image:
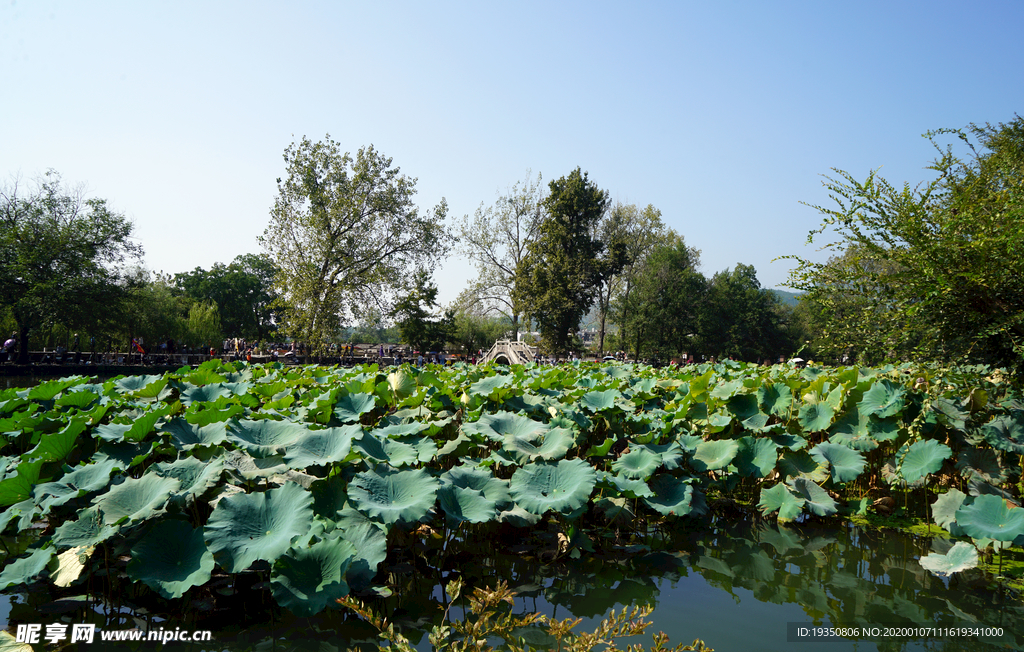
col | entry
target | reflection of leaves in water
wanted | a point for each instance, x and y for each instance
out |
(780, 538)
(754, 564)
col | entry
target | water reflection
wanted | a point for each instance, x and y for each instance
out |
(735, 585)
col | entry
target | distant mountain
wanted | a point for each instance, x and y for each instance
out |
(788, 298)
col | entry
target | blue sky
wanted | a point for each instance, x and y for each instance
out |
(723, 115)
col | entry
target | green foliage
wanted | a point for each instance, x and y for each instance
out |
(930, 272)
(63, 259)
(242, 295)
(344, 235)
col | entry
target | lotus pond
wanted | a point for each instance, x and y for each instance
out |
(269, 492)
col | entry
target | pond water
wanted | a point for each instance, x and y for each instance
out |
(738, 585)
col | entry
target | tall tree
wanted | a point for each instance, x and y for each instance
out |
(939, 265)
(346, 236)
(415, 318)
(496, 240)
(63, 258)
(243, 292)
(740, 319)
(559, 276)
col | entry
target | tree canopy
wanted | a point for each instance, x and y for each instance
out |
(931, 272)
(559, 276)
(63, 258)
(242, 291)
(346, 235)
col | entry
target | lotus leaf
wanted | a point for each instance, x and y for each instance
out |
(58, 446)
(75, 484)
(713, 455)
(205, 393)
(960, 557)
(600, 401)
(135, 499)
(616, 509)
(480, 479)
(87, 530)
(402, 383)
(69, 566)
(743, 406)
(185, 435)
(726, 390)
(624, 486)
(801, 464)
(125, 455)
(131, 384)
(552, 445)
(562, 486)
(1006, 433)
(981, 463)
(780, 499)
(817, 499)
(516, 516)
(249, 468)
(501, 424)
(389, 451)
(393, 495)
(370, 541)
(640, 463)
(815, 417)
(884, 399)
(322, 446)
(775, 399)
(945, 507)
(264, 438)
(205, 376)
(247, 527)
(194, 475)
(307, 580)
(171, 558)
(844, 463)
(922, 458)
(462, 504)
(351, 407)
(990, 517)
(675, 497)
(756, 458)
(25, 569)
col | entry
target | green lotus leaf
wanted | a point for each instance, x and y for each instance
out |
(387, 451)
(714, 455)
(322, 446)
(562, 486)
(113, 432)
(815, 417)
(67, 567)
(246, 527)
(209, 414)
(58, 446)
(626, 487)
(486, 386)
(775, 399)
(884, 399)
(845, 464)
(990, 517)
(981, 463)
(80, 399)
(249, 468)
(600, 401)
(171, 558)
(307, 580)
(743, 406)
(135, 499)
(18, 487)
(25, 569)
(945, 507)
(639, 463)
(370, 541)
(960, 557)
(799, 464)
(462, 504)
(185, 435)
(816, 499)
(204, 376)
(501, 424)
(550, 444)
(75, 484)
(480, 479)
(264, 438)
(125, 455)
(780, 499)
(131, 384)
(351, 407)
(756, 458)
(923, 458)
(516, 516)
(85, 531)
(675, 497)
(726, 390)
(1006, 433)
(205, 393)
(194, 476)
(400, 430)
(393, 495)
(616, 509)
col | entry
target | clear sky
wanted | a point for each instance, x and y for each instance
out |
(724, 115)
